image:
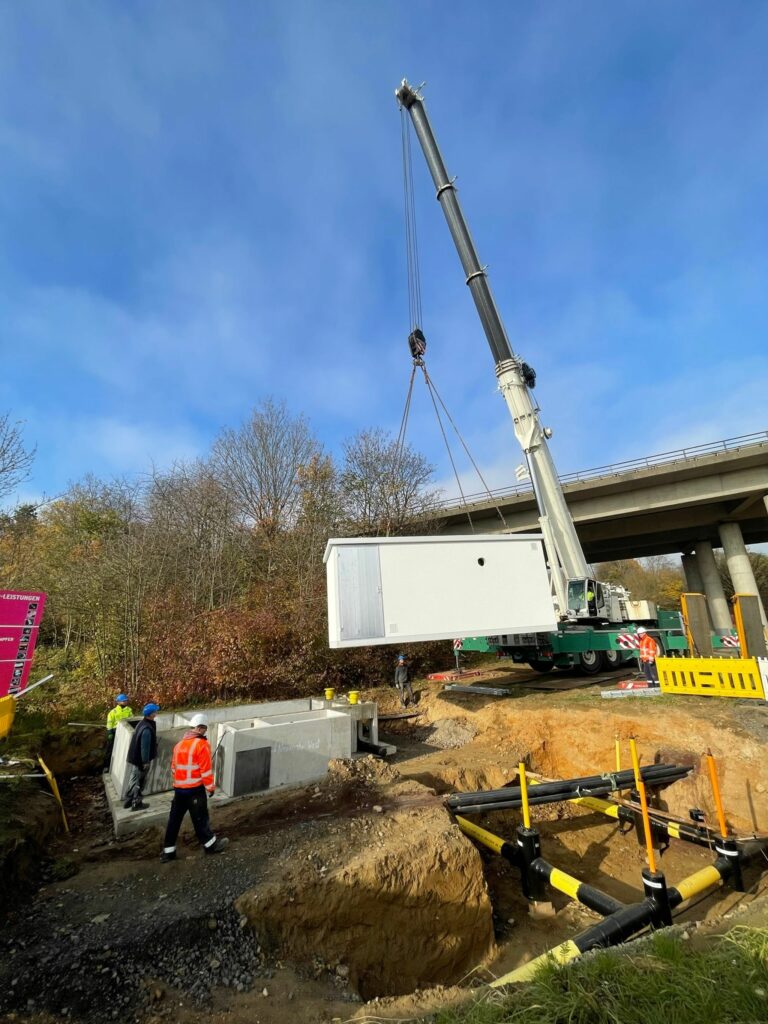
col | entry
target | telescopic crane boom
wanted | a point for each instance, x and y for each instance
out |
(567, 561)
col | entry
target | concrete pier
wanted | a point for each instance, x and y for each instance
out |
(739, 565)
(713, 588)
(692, 573)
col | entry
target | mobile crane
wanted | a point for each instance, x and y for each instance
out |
(595, 621)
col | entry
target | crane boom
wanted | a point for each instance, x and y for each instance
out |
(556, 522)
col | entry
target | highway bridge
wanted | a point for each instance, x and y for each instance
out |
(687, 501)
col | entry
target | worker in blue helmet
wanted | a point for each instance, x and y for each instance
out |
(120, 711)
(403, 681)
(141, 753)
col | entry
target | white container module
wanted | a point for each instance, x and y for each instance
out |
(385, 590)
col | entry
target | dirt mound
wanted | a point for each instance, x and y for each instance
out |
(447, 733)
(368, 771)
(407, 907)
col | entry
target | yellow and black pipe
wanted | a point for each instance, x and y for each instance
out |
(661, 827)
(627, 921)
(537, 872)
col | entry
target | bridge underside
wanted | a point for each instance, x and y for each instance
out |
(661, 510)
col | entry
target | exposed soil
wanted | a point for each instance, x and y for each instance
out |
(360, 887)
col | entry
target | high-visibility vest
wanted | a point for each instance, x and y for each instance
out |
(649, 649)
(117, 714)
(191, 763)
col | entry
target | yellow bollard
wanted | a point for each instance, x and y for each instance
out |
(330, 693)
(524, 795)
(643, 805)
(7, 712)
(354, 696)
(55, 790)
(716, 794)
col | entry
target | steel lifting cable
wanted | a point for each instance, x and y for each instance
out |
(433, 387)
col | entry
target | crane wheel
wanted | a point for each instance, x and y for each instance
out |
(612, 660)
(590, 662)
(541, 666)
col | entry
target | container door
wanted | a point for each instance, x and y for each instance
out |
(361, 607)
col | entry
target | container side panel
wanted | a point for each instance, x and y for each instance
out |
(361, 611)
(466, 590)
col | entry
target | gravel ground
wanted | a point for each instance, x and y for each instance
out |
(82, 952)
(106, 943)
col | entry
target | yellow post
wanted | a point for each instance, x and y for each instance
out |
(716, 794)
(643, 805)
(55, 790)
(524, 795)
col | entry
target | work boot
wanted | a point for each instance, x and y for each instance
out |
(139, 807)
(166, 858)
(218, 847)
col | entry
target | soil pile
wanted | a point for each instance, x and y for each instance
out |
(408, 908)
(449, 734)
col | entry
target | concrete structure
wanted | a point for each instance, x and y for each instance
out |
(659, 505)
(256, 748)
(739, 566)
(704, 559)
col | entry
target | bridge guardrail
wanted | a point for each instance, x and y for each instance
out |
(688, 454)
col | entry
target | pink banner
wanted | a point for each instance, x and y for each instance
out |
(20, 616)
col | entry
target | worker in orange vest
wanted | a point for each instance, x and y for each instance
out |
(649, 652)
(192, 785)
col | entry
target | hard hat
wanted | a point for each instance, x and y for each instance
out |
(122, 698)
(199, 720)
(150, 709)
(401, 657)
(641, 629)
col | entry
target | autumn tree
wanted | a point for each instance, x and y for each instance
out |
(260, 463)
(655, 578)
(383, 487)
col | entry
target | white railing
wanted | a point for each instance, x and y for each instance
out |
(695, 451)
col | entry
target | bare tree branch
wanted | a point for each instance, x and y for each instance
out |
(15, 458)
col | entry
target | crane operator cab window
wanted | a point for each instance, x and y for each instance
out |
(586, 599)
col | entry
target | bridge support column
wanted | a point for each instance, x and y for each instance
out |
(713, 588)
(739, 566)
(692, 573)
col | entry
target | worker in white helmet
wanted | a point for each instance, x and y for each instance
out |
(648, 653)
(193, 783)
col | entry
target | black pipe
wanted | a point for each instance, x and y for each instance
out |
(529, 844)
(534, 798)
(621, 780)
(657, 894)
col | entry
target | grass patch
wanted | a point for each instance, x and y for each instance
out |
(665, 980)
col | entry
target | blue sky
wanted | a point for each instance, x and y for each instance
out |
(201, 206)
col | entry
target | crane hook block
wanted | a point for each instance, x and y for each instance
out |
(529, 375)
(417, 343)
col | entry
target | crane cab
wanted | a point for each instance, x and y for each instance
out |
(590, 601)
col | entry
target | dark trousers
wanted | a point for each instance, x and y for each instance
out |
(136, 779)
(406, 693)
(196, 802)
(650, 671)
(109, 748)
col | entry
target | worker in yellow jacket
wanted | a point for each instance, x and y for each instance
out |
(120, 711)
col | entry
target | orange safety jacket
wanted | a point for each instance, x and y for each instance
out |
(191, 763)
(649, 649)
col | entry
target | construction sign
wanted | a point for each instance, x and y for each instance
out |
(20, 617)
